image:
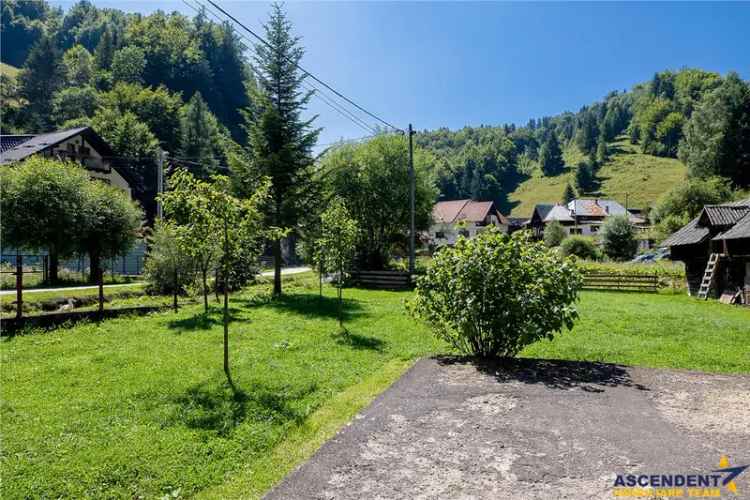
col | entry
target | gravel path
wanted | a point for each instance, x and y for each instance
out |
(537, 430)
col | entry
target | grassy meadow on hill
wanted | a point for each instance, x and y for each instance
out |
(643, 177)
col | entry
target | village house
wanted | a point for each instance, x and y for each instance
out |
(715, 247)
(451, 219)
(580, 216)
(81, 145)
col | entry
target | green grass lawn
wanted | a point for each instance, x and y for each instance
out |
(643, 177)
(138, 407)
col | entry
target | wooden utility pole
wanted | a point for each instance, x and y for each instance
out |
(412, 194)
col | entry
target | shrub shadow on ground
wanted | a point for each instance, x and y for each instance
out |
(555, 374)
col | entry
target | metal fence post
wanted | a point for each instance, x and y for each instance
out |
(19, 286)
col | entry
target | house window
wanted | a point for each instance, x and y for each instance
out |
(576, 230)
(440, 234)
(594, 229)
(464, 233)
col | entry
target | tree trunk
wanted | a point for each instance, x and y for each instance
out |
(174, 288)
(226, 306)
(277, 267)
(216, 283)
(54, 265)
(341, 285)
(204, 271)
(100, 280)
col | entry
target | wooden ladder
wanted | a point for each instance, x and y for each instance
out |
(708, 276)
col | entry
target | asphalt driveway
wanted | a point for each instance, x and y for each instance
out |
(538, 429)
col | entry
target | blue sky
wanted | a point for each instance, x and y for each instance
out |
(456, 64)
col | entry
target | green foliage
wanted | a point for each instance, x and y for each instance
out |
(210, 224)
(618, 238)
(493, 295)
(279, 139)
(569, 194)
(685, 201)
(717, 137)
(585, 177)
(23, 23)
(110, 222)
(336, 246)
(550, 156)
(373, 182)
(79, 66)
(45, 198)
(72, 103)
(125, 133)
(105, 50)
(128, 65)
(156, 108)
(554, 234)
(200, 137)
(42, 75)
(168, 268)
(580, 246)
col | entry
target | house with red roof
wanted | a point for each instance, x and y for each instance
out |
(451, 219)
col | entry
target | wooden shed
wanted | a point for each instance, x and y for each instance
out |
(715, 247)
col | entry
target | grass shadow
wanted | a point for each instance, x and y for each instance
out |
(222, 408)
(308, 304)
(555, 374)
(359, 342)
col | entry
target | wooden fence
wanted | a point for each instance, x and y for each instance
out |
(387, 280)
(624, 282)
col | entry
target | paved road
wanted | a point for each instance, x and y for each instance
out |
(286, 271)
(67, 288)
(450, 429)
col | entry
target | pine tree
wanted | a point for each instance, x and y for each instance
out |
(601, 149)
(550, 156)
(199, 136)
(279, 140)
(569, 194)
(105, 51)
(42, 76)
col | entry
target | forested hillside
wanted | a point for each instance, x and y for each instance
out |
(640, 143)
(183, 84)
(133, 77)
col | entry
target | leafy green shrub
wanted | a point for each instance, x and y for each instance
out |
(618, 238)
(554, 234)
(167, 269)
(495, 294)
(581, 247)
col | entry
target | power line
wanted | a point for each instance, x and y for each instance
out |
(342, 96)
(316, 91)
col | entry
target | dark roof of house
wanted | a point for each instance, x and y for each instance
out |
(726, 221)
(542, 209)
(38, 143)
(722, 215)
(739, 231)
(464, 210)
(8, 142)
(517, 221)
(690, 234)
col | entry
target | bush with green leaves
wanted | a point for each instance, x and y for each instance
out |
(618, 238)
(581, 247)
(168, 268)
(554, 234)
(494, 294)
